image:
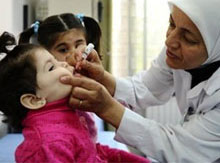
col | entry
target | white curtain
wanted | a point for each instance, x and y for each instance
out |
(138, 34)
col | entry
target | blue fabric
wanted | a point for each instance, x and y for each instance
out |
(8, 145)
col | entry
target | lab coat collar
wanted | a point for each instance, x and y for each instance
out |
(195, 91)
(209, 86)
(213, 83)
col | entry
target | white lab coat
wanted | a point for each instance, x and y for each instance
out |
(196, 139)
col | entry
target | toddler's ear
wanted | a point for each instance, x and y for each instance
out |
(33, 102)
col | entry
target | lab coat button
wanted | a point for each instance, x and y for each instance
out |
(190, 111)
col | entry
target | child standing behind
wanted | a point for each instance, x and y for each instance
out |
(32, 96)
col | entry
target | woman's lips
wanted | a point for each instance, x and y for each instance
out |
(171, 55)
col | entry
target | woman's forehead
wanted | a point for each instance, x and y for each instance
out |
(184, 22)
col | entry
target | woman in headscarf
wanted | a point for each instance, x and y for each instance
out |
(188, 67)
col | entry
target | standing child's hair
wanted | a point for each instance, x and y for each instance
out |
(47, 31)
(17, 77)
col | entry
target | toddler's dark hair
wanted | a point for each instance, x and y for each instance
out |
(17, 77)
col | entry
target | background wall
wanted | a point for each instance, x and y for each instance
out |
(11, 11)
(11, 16)
(73, 6)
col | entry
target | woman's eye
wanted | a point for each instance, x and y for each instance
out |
(51, 68)
(172, 24)
(190, 41)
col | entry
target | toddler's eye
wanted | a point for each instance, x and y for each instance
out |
(51, 68)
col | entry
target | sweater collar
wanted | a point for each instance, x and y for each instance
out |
(55, 106)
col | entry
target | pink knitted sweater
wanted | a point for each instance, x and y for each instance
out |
(57, 134)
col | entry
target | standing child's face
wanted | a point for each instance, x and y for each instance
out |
(69, 45)
(49, 71)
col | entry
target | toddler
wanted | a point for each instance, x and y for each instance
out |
(33, 98)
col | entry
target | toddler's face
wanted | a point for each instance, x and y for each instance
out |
(69, 45)
(49, 71)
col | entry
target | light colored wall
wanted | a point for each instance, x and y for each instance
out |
(73, 6)
(11, 11)
(5, 15)
(11, 16)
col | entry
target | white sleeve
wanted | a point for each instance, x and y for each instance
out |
(195, 141)
(147, 88)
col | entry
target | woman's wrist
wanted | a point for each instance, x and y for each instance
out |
(113, 114)
(109, 82)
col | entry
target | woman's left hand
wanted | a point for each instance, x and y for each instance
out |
(89, 95)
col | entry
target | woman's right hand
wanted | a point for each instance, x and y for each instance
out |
(94, 69)
(92, 66)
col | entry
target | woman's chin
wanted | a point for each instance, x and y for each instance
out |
(172, 65)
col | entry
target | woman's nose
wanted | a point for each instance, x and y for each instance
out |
(172, 39)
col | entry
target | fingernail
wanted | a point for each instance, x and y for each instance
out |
(77, 74)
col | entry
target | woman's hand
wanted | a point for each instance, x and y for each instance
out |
(92, 67)
(89, 95)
